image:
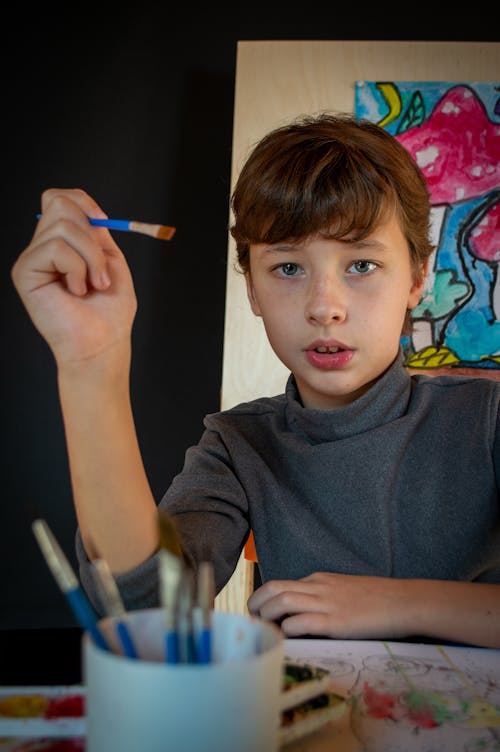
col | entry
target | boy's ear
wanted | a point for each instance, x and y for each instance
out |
(251, 294)
(417, 288)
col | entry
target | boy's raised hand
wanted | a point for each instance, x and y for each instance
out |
(74, 280)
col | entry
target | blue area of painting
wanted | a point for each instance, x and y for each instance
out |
(463, 319)
(370, 102)
(472, 332)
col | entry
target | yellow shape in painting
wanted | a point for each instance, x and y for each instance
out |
(432, 357)
(391, 96)
(493, 358)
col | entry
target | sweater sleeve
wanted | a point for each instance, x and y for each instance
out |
(139, 587)
(210, 507)
(211, 514)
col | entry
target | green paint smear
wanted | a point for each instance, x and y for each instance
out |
(437, 706)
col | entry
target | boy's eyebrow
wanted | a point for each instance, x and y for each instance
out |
(282, 248)
(362, 244)
(377, 245)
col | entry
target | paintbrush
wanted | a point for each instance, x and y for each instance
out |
(205, 597)
(169, 537)
(67, 581)
(113, 604)
(184, 618)
(170, 573)
(162, 232)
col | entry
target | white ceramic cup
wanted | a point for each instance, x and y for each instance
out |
(147, 705)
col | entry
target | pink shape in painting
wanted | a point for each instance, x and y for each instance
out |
(457, 148)
(484, 241)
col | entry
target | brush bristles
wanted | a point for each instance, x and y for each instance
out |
(169, 537)
(206, 586)
(163, 232)
(54, 556)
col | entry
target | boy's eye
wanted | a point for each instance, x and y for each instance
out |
(362, 266)
(289, 269)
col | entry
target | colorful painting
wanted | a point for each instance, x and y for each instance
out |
(411, 697)
(452, 130)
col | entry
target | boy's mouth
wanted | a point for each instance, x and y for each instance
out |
(329, 356)
(327, 346)
(323, 349)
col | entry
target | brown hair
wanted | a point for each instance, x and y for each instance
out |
(331, 174)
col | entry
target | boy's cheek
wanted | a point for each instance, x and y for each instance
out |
(252, 298)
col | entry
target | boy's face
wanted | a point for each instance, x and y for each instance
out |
(333, 311)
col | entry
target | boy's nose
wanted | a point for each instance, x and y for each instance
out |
(325, 303)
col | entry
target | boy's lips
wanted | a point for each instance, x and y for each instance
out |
(327, 345)
(328, 355)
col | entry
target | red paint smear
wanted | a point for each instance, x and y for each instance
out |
(423, 718)
(387, 705)
(70, 706)
(379, 704)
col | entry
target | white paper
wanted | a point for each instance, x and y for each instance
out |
(405, 697)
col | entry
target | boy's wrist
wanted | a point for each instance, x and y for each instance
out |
(109, 367)
(410, 605)
(432, 606)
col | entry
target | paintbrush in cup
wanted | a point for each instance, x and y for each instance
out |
(170, 575)
(113, 604)
(206, 598)
(67, 581)
(184, 619)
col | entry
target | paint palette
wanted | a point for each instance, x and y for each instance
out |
(76, 744)
(41, 712)
(307, 702)
(301, 681)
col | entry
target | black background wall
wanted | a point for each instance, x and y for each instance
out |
(135, 106)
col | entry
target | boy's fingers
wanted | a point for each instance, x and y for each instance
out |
(272, 590)
(63, 249)
(54, 260)
(74, 206)
(57, 200)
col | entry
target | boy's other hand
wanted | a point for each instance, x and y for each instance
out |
(335, 605)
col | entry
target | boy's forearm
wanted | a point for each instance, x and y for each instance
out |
(111, 492)
(456, 611)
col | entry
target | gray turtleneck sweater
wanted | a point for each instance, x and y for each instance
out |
(403, 482)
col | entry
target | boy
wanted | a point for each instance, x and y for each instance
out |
(372, 495)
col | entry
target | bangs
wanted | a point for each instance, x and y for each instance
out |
(337, 197)
(335, 176)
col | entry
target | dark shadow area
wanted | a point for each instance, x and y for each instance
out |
(40, 657)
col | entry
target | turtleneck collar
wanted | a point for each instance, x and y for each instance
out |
(384, 402)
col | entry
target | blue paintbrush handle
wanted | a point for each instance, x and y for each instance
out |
(172, 647)
(126, 640)
(205, 646)
(111, 224)
(85, 616)
(187, 648)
